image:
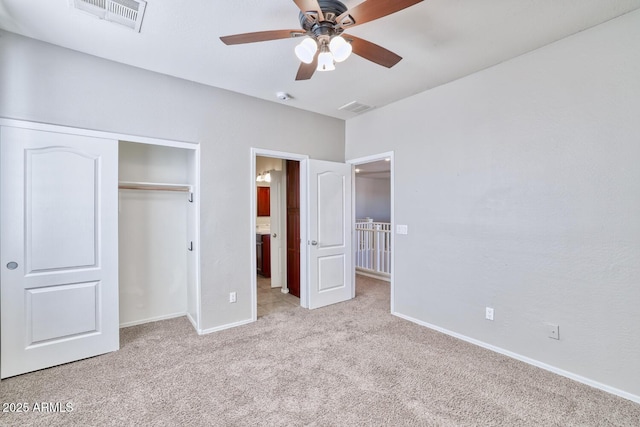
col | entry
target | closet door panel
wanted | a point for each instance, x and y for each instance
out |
(59, 229)
(61, 209)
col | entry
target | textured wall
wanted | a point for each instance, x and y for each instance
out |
(521, 188)
(44, 83)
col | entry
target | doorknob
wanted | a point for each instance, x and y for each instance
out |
(274, 235)
(12, 265)
(314, 243)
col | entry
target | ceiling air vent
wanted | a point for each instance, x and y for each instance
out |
(125, 12)
(356, 107)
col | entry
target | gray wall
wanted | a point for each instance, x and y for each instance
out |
(44, 83)
(521, 189)
(373, 198)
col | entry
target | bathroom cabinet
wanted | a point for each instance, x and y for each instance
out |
(264, 205)
(263, 254)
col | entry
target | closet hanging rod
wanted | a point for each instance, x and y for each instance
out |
(154, 186)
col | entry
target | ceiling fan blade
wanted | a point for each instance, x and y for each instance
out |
(305, 71)
(372, 51)
(307, 6)
(261, 36)
(370, 10)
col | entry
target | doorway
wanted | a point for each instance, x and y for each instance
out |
(158, 244)
(276, 188)
(277, 234)
(373, 224)
(325, 216)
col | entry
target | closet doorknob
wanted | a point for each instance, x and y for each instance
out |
(274, 235)
(12, 265)
(314, 243)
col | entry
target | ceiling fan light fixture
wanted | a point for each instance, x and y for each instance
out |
(321, 21)
(340, 48)
(306, 50)
(325, 62)
(325, 58)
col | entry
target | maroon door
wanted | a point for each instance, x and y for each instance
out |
(293, 227)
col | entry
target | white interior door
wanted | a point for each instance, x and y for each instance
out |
(59, 250)
(276, 196)
(330, 254)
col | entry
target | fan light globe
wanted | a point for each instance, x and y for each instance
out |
(306, 50)
(339, 48)
(325, 62)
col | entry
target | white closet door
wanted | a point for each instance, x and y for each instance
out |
(59, 230)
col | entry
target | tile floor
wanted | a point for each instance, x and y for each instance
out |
(271, 300)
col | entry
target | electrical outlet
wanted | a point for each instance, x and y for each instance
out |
(232, 297)
(553, 331)
(488, 314)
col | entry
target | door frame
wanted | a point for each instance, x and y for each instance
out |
(24, 124)
(255, 152)
(278, 204)
(360, 161)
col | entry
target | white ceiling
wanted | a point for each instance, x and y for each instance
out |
(440, 41)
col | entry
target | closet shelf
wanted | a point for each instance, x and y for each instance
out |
(154, 186)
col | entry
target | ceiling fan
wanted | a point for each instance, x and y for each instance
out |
(324, 22)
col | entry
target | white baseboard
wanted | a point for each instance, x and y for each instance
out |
(381, 276)
(537, 363)
(152, 319)
(193, 322)
(223, 327)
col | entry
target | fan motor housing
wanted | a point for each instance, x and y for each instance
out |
(331, 9)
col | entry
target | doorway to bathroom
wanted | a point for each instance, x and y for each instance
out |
(318, 225)
(277, 217)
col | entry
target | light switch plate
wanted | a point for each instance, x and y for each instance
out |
(402, 229)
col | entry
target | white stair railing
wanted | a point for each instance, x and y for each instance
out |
(373, 247)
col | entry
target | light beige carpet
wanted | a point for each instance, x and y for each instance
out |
(287, 369)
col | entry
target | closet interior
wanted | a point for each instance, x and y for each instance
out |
(157, 234)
